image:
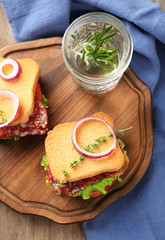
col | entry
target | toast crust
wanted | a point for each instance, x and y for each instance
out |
(25, 88)
(61, 153)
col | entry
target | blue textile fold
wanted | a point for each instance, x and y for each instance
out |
(141, 213)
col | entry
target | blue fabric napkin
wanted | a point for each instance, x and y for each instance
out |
(141, 213)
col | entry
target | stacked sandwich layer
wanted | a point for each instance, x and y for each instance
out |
(72, 173)
(32, 116)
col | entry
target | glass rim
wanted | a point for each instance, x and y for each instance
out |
(115, 72)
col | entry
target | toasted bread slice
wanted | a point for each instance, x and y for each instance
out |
(6, 108)
(24, 87)
(61, 153)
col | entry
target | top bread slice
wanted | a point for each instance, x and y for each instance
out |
(25, 88)
(61, 153)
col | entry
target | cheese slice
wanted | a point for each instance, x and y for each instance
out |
(24, 86)
(61, 153)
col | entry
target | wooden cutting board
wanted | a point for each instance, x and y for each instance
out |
(22, 179)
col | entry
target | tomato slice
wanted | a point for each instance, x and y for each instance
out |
(98, 193)
(38, 92)
(95, 194)
(2, 132)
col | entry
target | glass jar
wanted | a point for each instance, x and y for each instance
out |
(87, 76)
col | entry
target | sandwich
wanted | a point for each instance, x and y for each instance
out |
(23, 107)
(84, 158)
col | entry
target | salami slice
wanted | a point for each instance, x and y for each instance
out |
(70, 188)
(37, 124)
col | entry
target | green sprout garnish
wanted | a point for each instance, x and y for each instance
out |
(65, 173)
(121, 131)
(95, 48)
(3, 119)
(73, 165)
(76, 162)
(91, 147)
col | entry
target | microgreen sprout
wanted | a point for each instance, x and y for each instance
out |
(121, 131)
(65, 173)
(91, 147)
(76, 162)
(3, 118)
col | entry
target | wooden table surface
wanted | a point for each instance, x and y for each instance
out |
(16, 226)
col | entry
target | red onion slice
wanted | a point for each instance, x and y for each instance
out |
(89, 154)
(14, 98)
(16, 69)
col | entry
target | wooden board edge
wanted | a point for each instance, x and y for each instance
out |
(30, 44)
(41, 211)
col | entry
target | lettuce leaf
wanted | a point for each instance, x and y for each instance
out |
(120, 142)
(44, 162)
(98, 186)
(44, 101)
(16, 138)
